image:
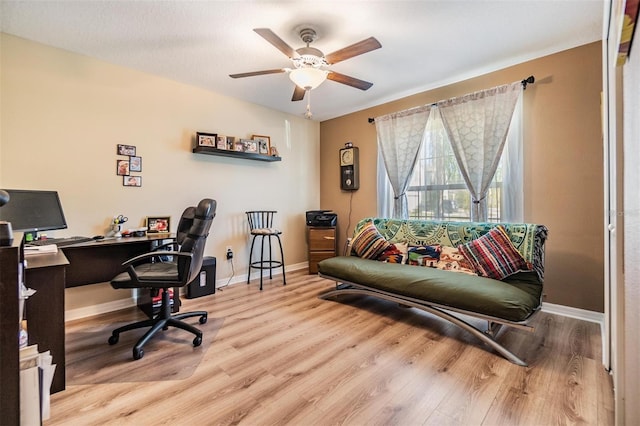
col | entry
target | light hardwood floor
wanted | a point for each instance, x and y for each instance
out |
(283, 356)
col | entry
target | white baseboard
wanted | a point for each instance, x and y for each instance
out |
(116, 305)
(568, 311)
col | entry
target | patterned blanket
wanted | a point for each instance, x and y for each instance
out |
(527, 238)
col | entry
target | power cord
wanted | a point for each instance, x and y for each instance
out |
(233, 272)
(346, 233)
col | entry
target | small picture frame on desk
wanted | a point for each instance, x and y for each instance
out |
(132, 181)
(206, 139)
(158, 224)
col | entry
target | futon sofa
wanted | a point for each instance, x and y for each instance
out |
(509, 293)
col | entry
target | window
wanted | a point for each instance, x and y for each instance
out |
(437, 190)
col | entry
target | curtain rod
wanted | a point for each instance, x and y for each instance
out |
(529, 80)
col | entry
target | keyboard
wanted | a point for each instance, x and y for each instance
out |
(60, 242)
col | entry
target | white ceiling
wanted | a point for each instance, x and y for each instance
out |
(425, 44)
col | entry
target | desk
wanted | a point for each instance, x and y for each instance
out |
(72, 266)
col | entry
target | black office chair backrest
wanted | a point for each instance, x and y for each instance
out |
(184, 225)
(195, 238)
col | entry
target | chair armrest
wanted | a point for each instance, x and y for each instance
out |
(181, 281)
(152, 255)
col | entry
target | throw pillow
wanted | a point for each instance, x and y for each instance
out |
(424, 255)
(452, 260)
(494, 255)
(369, 243)
(395, 253)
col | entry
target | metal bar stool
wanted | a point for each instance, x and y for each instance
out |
(261, 225)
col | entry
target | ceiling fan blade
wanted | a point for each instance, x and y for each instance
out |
(356, 49)
(251, 74)
(276, 41)
(349, 81)
(298, 94)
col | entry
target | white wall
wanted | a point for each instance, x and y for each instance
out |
(631, 295)
(63, 115)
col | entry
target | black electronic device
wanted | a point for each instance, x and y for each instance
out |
(349, 168)
(31, 211)
(322, 218)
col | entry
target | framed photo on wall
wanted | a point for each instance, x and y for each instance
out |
(132, 181)
(158, 224)
(264, 144)
(128, 150)
(122, 167)
(206, 139)
(135, 164)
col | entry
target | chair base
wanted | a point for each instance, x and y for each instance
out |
(162, 321)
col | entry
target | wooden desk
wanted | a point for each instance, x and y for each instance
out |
(72, 266)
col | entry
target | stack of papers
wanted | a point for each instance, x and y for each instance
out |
(36, 375)
(46, 249)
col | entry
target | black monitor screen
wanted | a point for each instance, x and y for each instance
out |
(30, 211)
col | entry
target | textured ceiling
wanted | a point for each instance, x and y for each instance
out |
(425, 44)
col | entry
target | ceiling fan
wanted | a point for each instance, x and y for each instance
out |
(309, 62)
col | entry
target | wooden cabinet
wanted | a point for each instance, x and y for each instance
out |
(322, 245)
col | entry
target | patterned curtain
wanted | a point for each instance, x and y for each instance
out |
(477, 125)
(399, 137)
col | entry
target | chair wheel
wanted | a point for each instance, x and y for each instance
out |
(114, 339)
(137, 353)
(203, 319)
(197, 341)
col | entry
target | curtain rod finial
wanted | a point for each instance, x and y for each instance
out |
(529, 80)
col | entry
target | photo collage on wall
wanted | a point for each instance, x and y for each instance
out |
(129, 168)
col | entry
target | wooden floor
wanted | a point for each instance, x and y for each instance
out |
(283, 356)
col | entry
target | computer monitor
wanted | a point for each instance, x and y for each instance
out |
(31, 211)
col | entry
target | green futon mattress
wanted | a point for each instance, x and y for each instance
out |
(513, 299)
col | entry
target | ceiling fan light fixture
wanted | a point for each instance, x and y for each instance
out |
(308, 78)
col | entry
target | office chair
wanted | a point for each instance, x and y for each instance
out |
(261, 225)
(161, 275)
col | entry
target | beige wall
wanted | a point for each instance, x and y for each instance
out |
(63, 114)
(563, 165)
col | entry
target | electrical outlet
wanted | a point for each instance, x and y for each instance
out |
(229, 253)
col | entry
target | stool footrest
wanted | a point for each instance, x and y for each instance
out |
(266, 264)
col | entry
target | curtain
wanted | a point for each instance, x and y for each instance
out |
(512, 200)
(399, 137)
(477, 126)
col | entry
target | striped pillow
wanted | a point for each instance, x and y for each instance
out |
(369, 243)
(493, 255)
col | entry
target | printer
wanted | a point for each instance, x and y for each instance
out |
(321, 218)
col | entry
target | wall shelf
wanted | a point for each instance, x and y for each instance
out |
(236, 154)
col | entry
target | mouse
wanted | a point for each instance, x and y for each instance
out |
(98, 237)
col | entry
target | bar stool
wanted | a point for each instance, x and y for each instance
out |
(261, 225)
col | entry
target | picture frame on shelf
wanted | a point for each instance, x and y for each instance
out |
(135, 164)
(221, 142)
(238, 146)
(273, 151)
(128, 150)
(264, 144)
(158, 224)
(206, 139)
(132, 180)
(122, 167)
(230, 143)
(250, 146)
